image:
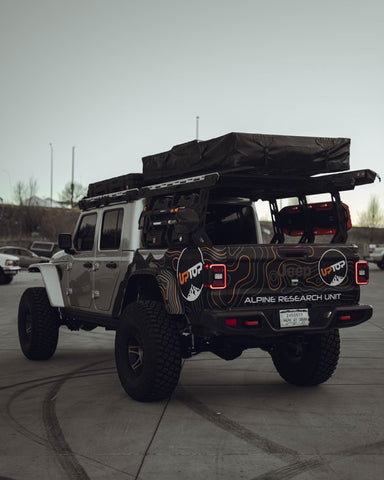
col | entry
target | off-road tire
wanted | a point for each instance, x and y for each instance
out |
(310, 362)
(5, 279)
(147, 351)
(38, 325)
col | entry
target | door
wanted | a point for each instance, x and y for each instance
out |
(108, 262)
(80, 274)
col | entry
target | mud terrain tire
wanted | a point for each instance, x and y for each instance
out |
(38, 325)
(310, 362)
(147, 351)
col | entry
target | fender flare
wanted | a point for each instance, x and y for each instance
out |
(51, 282)
(170, 292)
(161, 280)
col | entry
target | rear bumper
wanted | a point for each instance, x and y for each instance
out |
(266, 323)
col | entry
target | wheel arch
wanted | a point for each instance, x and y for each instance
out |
(157, 286)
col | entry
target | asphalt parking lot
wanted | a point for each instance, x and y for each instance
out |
(68, 418)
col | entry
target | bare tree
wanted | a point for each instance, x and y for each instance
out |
(373, 216)
(24, 193)
(72, 193)
(29, 214)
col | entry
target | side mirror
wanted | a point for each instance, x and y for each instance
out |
(187, 221)
(65, 242)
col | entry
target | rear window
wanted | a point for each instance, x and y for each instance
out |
(230, 224)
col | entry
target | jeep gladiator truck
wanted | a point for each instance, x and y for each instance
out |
(179, 267)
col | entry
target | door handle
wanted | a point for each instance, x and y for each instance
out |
(87, 265)
(111, 265)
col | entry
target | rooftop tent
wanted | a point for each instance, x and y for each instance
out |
(264, 154)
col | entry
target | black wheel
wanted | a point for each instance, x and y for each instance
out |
(381, 264)
(5, 279)
(147, 352)
(38, 325)
(310, 362)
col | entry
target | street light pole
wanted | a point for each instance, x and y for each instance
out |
(73, 175)
(51, 172)
(197, 128)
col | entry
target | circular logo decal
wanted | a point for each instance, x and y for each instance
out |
(333, 267)
(190, 273)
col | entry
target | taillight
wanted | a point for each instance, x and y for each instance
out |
(231, 322)
(349, 316)
(235, 322)
(217, 277)
(362, 272)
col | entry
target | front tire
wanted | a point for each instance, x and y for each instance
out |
(5, 279)
(147, 352)
(309, 362)
(38, 325)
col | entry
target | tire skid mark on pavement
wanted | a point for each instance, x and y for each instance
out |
(286, 472)
(50, 379)
(55, 440)
(232, 427)
(15, 424)
(292, 470)
(55, 436)
(47, 381)
(298, 464)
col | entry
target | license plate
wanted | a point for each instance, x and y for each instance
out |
(294, 318)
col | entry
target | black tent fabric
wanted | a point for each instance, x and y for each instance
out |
(264, 154)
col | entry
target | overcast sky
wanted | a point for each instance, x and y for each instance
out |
(122, 79)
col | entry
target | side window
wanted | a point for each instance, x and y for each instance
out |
(85, 235)
(111, 229)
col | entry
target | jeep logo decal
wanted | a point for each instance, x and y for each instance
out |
(189, 273)
(333, 267)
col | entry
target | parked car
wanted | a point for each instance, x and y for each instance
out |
(26, 257)
(46, 249)
(376, 255)
(9, 267)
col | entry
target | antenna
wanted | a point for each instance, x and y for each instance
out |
(197, 128)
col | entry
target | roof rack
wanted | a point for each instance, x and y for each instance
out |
(244, 182)
(270, 187)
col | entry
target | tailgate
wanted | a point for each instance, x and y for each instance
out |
(283, 276)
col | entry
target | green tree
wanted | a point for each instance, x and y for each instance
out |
(373, 216)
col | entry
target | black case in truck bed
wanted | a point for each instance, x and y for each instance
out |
(179, 266)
